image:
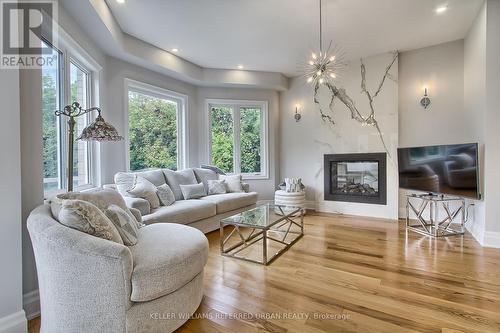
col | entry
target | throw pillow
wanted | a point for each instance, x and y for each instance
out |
(216, 187)
(126, 227)
(124, 182)
(204, 175)
(233, 183)
(143, 188)
(165, 195)
(177, 178)
(193, 191)
(101, 198)
(86, 217)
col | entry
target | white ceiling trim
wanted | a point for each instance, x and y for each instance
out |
(154, 58)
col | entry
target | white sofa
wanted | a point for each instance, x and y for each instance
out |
(203, 214)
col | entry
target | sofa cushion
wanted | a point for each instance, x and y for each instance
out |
(86, 217)
(166, 257)
(124, 181)
(155, 176)
(204, 175)
(182, 211)
(216, 187)
(165, 195)
(126, 227)
(231, 201)
(233, 183)
(194, 191)
(142, 205)
(144, 189)
(176, 178)
(102, 198)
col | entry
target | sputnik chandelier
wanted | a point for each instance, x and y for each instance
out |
(325, 66)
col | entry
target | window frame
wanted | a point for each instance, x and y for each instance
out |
(71, 52)
(264, 129)
(182, 112)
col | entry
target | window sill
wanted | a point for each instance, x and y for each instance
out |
(254, 177)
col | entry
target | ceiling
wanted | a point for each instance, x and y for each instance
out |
(277, 35)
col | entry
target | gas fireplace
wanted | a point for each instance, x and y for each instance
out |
(356, 178)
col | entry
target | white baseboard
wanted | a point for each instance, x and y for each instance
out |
(310, 204)
(491, 239)
(14, 323)
(31, 304)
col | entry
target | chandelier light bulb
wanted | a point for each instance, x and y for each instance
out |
(311, 63)
(321, 80)
(314, 56)
(332, 58)
(319, 72)
(309, 80)
(333, 75)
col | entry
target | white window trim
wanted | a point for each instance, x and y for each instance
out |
(182, 128)
(73, 52)
(236, 104)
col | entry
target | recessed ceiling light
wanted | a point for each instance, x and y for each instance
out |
(120, 1)
(175, 50)
(441, 9)
(240, 67)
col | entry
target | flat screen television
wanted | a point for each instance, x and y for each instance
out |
(444, 169)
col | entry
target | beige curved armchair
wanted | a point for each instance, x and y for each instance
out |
(88, 284)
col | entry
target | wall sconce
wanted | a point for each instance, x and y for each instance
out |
(297, 115)
(425, 101)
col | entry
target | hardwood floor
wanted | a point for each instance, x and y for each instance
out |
(350, 274)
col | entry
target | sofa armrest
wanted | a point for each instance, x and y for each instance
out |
(142, 205)
(245, 187)
(110, 186)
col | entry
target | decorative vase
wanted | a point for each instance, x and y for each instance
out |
(293, 184)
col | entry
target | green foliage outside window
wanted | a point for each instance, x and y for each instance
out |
(222, 138)
(250, 140)
(222, 126)
(152, 132)
(49, 126)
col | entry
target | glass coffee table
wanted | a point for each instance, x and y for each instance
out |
(262, 233)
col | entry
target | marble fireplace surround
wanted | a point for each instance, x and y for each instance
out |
(303, 144)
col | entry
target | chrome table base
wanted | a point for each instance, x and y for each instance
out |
(453, 222)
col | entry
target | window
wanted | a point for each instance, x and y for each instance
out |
(155, 133)
(51, 130)
(238, 140)
(65, 80)
(79, 85)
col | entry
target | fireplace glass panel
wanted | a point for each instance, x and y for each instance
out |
(355, 178)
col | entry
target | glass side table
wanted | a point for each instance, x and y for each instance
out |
(435, 223)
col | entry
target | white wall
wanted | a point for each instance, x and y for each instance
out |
(492, 146)
(303, 144)
(32, 177)
(265, 187)
(12, 318)
(441, 68)
(475, 106)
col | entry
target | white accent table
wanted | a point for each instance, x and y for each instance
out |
(291, 199)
